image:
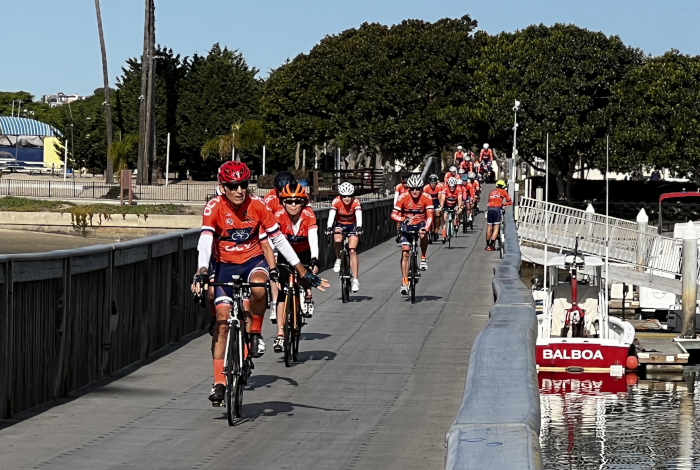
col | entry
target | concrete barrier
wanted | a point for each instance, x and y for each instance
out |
(69, 318)
(498, 423)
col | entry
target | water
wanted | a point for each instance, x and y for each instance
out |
(594, 421)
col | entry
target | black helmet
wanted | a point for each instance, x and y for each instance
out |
(283, 178)
(433, 179)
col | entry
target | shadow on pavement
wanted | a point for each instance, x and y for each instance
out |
(360, 298)
(427, 298)
(313, 336)
(258, 381)
(305, 356)
(252, 411)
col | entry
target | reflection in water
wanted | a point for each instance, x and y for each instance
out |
(594, 421)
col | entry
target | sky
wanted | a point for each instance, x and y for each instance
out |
(52, 46)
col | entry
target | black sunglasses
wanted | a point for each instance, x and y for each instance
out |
(235, 186)
(293, 202)
(415, 189)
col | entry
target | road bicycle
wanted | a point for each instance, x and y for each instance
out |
(294, 292)
(501, 234)
(345, 272)
(238, 364)
(413, 270)
(450, 227)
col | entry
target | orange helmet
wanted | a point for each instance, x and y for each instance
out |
(293, 190)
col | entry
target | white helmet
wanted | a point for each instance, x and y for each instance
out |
(468, 158)
(415, 182)
(453, 169)
(461, 170)
(486, 146)
(471, 175)
(459, 147)
(452, 181)
(346, 189)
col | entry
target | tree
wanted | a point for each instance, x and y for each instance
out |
(564, 77)
(124, 153)
(109, 173)
(242, 137)
(218, 90)
(30, 109)
(656, 111)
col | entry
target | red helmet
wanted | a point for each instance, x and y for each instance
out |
(233, 172)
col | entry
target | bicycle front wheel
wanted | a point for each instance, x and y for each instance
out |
(234, 392)
(414, 273)
(288, 326)
(345, 276)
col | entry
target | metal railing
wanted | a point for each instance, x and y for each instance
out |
(627, 244)
(68, 318)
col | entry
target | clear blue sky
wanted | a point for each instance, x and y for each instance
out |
(52, 46)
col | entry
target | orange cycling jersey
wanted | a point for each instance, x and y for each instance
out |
(400, 189)
(449, 175)
(467, 166)
(468, 189)
(451, 196)
(475, 185)
(238, 232)
(433, 192)
(459, 156)
(496, 198)
(420, 209)
(300, 239)
(486, 155)
(345, 214)
(272, 201)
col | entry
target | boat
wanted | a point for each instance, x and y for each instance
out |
(574, 331)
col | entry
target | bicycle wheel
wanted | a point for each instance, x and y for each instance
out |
(501, 248)
(288, 325)
(345, 276)
(413, 272)
(232, 377)
(450, 228)
(296, 333)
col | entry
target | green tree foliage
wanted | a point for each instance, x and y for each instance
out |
(218, 90)
(564, 76)
(124, 153)
(243, 137)
(656, 111)
(30, 109)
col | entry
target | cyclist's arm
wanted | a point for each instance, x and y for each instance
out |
(204, 249)
(441, 199)
(269, 254)
(428, 218)
(286, 250)
(358, 217)
(331, 217)
(509, 201)
(313, 242)
(396, 215)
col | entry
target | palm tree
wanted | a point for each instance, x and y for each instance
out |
(244, 136)
(109, 172)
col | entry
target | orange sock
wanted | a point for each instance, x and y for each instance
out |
(256, 324)
(405, 281)
(219, 372)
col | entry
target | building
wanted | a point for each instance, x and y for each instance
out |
(60, 98)
(28, 144)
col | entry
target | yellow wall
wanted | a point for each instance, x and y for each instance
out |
(51, 156)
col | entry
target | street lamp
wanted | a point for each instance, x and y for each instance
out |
(512, 168)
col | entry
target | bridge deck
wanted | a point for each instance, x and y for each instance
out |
(379, 385)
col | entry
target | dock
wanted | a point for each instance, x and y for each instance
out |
(658, 351)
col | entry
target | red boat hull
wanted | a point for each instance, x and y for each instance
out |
(586, 355)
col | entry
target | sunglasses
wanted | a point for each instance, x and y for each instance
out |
(345, 197)
(235, 186)
(293, 202)
(416, 189)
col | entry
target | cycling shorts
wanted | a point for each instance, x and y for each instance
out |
(351, 229)
(212, 269)
(304, 258)
(225, 271)
(436, 204)
(409, 228)
(493, 216)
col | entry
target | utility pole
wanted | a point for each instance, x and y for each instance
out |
(109, 170)
(146, 98)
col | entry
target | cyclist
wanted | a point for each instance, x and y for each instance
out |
(282, 179)
(467, 165)
(468, 196)
(298, 223)
(486, 155)
(349, 219)
(400, 189)
(415, 212)
(450, 198)
(233, 224)
(451, 174)
(493, 217)
(433, 189)
(459, 156)
(477, 189)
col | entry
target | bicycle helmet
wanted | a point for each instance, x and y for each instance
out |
(486, 146)
(415, 182)
(293, 190)
(461, 170)
(346, 189)
(468, 158)
(452, 181)
(459, 147)
(283, 178)
(433, 179)
(472, 175)
(233, 172)
(453, 169)
(501, 184)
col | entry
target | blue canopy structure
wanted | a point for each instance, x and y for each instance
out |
(22, 126)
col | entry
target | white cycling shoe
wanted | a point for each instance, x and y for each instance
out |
(355, 285)
(273, 312)
(404, 289)
(423, 264)
(336, 266)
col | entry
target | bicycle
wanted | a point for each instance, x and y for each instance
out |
(238, 364)
(345, 272)
(293, 320)
(501, 236)
(450, 227)
(413, 271)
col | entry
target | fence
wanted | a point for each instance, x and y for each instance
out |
(68, 318)
(498, 423)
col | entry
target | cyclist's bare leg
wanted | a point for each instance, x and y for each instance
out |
(489, 231)
(257, 304)
(218, 339)
(494, 235)
(404, 262)
(423, 244)
(354, 262)
(280, 317)
(444, 224)
(338, 239)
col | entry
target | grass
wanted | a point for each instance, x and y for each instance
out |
(21, 204)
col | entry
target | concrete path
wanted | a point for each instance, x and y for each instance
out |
(379, 385)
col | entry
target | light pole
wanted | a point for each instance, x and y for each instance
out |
(512, 169)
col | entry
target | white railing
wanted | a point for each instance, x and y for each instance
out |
(648, 251)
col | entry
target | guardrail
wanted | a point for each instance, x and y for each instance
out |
(498, 423)
(68, 318)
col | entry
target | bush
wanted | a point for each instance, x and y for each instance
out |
(266, 182)
(113, 193)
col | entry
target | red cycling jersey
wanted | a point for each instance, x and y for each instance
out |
(419, 210)
(475, 185)
(272, 201)
(238, 232)
(459, 156)
(449, 175)
(345, 214)
(400, 189)
(433, 192)
(496, 198)
(451, 195)
(467, 190)
(486, 155)
(300, 239)
(467, 166)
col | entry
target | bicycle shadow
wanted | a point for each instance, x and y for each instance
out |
(427, 298)
(360, 298)
(259, 381)
(314, 336)
(253, 411)
(305, 356)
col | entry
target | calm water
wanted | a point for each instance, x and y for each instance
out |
(593, 421)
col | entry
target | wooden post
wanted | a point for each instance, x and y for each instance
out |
(315, 185)
(689, 277)
(125, 183)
